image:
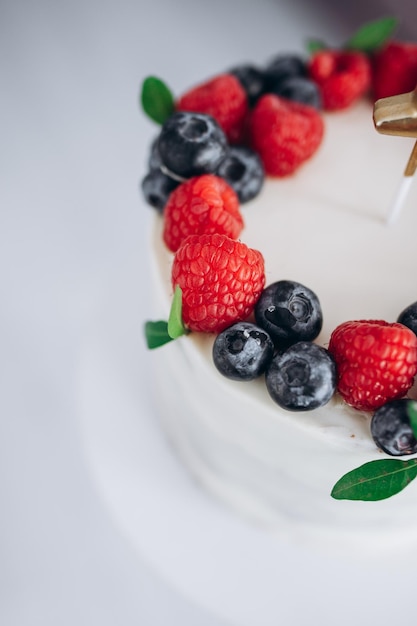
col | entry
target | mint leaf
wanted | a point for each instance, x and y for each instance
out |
(375, 480)
(159, 333)
(315, 45)
(156, 334)
(412, 415)
(157, 99)
(372, 35)
(176, 326)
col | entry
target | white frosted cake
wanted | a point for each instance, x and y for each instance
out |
(325, 227)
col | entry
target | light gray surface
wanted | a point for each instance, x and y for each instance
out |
(73, 148)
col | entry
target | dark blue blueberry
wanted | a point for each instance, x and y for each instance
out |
(409, 317)
(156, 188)
(154, 161)
(282, 67)
(391, 430)
(242, 169)
(252, 80)
(299, 89)
(302, 378)
(289, 312)
(242, 351)
(191, 144)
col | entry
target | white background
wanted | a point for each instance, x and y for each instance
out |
(73, 244)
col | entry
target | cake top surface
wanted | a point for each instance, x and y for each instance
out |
(320, 220)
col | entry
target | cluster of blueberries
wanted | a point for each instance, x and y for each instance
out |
(191, 144)
(299, 374)
(286, 76)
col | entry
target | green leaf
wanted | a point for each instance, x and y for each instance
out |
(375, 480)
(372, 35)
(315, 45)
(412, 414)
(157, 99)
(176, 326)
(156, 334)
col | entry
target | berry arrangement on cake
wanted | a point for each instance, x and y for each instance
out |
(291, 302)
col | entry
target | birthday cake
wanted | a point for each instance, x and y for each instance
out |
(308, 274)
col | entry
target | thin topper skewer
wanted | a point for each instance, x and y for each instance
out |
(403, 187)
(397, 115)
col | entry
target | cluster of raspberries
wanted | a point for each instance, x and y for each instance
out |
(214, 149)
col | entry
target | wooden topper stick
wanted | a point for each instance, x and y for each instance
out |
(397, 115)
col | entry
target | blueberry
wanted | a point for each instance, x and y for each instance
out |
(302, 378)
(409, 317)
(191, 144)
(252, 80)
(289, 312)
(242, 351)
(154, 161)
(156, 188)
(242, 169)
(299, 89)
(391, 430)
(282, 67)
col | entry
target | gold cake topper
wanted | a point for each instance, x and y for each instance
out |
(397, 115)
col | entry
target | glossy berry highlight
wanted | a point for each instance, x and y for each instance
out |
(289, 312)
(191, 144)
(391, 429)
(243, 351)
(302, 378)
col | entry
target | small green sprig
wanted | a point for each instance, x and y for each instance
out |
(161, 332)
(367, 39)
(373, 35)
(156, 99)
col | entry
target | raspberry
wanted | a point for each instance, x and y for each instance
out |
(222, 97)
(376, 362)
(342, 77)
(203, 204)
(394, 69)
(221, 280)
(284, 133)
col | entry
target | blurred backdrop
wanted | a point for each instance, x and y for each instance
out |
(74, 239)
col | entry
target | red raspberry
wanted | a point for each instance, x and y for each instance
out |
(222, 97)
(202, 205)
(376, 362)
(221, 281)
(342, 77)
(284, 133)
(394, 69)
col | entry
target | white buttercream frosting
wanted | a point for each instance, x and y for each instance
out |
(323, 227)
